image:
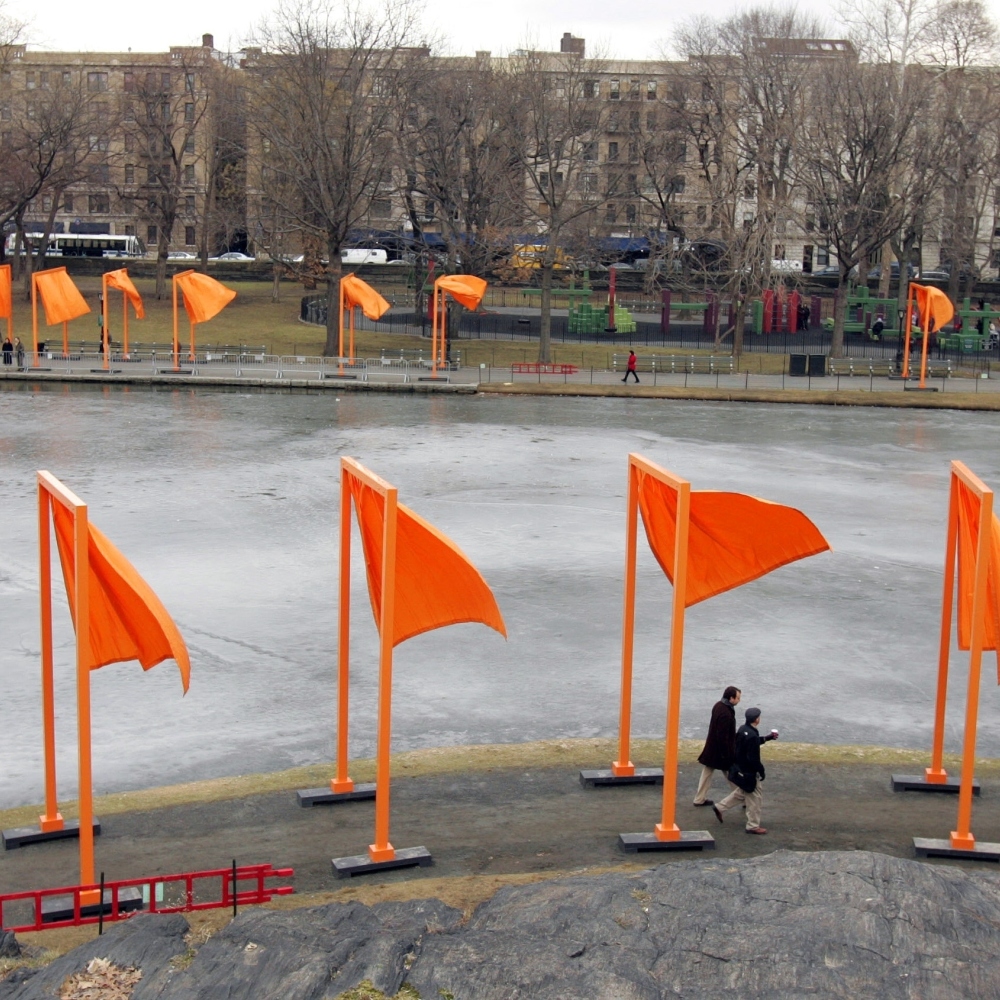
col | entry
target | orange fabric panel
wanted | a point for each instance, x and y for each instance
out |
(119, 279)
(6, 292)
(464, 288)
(204, 297)
(360, 293)
(934, 305)
(436, 585)
(127, 620)
(732, 538)
(60, 297)
(968, 542)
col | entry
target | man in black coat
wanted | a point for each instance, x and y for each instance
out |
(746, 769)
(720, 744)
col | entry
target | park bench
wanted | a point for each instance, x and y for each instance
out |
(693, 364)
(542, 368)
(886, 367)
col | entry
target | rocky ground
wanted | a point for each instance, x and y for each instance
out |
(844, 924)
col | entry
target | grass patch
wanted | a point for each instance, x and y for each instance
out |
(567, 753)
(365, 991)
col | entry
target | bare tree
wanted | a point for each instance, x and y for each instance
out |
(554, 120)
(324, 84)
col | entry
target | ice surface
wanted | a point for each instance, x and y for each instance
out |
(227, 503)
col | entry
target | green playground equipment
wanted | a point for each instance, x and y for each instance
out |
(587, 318)
(969, 339)
(862, 308)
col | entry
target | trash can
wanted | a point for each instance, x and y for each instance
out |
(817, 365)
(797, 364)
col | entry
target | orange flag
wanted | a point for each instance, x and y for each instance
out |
(127, 620)
(360, 293)
(968, 542)
(732, 538)
(6, 292)
(119, 279)
(61, 298)
(436, 585)
(464, 288)
(204, 297)
(934, 305)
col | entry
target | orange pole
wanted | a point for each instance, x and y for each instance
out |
(667, 828)
(623, 767)
(125, 323)
(176, 341)
(51, 819)
(340, 327)
(342, 783)
(382, 850)
(906, 333)
(352, 335)
(104, 318)
(34, 320)
(923, 354)
(434, 328)
(962, 838)
(81, 586)
(936, 774)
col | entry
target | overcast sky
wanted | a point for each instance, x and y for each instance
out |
(628, 30)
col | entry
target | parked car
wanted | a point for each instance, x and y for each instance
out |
(828, 271)
(362, 255)
(876, 272)
(181, 255)
(233, 255)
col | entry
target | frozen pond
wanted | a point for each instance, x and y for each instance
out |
(227, 503)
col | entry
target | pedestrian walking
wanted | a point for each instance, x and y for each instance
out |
(877, 327)
(720, 744)
(19, 352)
(745, 772)
(630, 369)
(8, 350)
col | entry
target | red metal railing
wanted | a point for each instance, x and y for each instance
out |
(184, 884)
(541, 368)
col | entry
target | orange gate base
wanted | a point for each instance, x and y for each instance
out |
(362, 864)
(22, 836)
(687, 840)
(327, 797)
(607, 776)
(930, 847)
(922, 783)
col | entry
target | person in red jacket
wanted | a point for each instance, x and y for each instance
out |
(630, 370)
(720, 744)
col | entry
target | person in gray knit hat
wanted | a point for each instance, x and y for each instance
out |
(747, 773)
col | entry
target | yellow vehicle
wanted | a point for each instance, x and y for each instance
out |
(530, 255)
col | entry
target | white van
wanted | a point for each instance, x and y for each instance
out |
(786, 265)
(361, 256)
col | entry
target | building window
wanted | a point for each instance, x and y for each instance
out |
(823, 256)
(614, 92)
(612, 152)
(589, 183)
(633, 121)
(633, 184)
(189, 204)
(779, 251)
(633, 152)
(650, 90)
(189, 144)
(29, 80)
(611, 213)
(630, 213)
(701, 214)
(651, 121)
(165, 83)
(150, 234)
(129, 114)
(589, 152)
(189, 236)
(100, 173)
(129, 83)
(43, 80)
(189, 112)
(633, 90)
(5, 113)
(749, 189)
(381, 208)
(97, 82)
(189, 82)
(165, 112)
(591, 88)
(129, 143)
(46, 202)
(98, 204)
(676, 185)
(67, 78)
(67, 203)
(189, 174)
(129, 230)
(129, 173)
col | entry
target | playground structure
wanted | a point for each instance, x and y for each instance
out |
(122, 282)
(61, 300)
(972, 336)
(706, 543)
(204, 297)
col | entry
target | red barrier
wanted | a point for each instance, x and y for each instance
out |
(122, 909)
(538, 368)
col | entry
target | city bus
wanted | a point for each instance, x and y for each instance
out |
(86, 245)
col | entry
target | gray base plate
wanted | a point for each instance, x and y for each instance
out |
(691, 840)
(21, 836)
(918, 783)
(173, 371)
(105, 371)
(324, 797)
(337, 375)
(361, 864)
(928, 847)
(605, 776)
(916, 388)
(55, 908)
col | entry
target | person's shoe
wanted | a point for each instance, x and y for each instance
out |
(759, 830)
(718, 814)
(707, 802)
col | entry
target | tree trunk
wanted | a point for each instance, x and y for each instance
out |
(741, 318)
(839, 316)
(334, 270)
(545, 326)
(50, 222)
(162, 248)
(276, 283)
(886, 275)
